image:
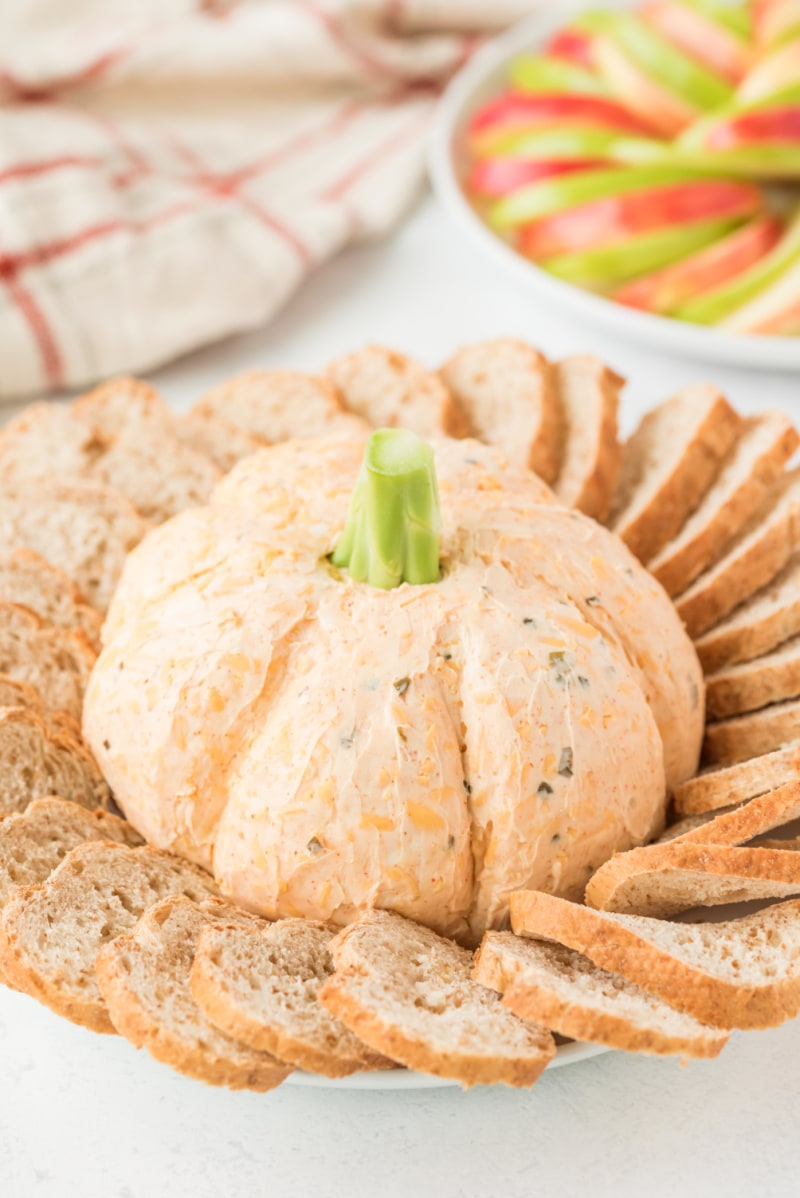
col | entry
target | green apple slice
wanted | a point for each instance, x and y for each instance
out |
(745, 162)
(663, 62)
(558, 145)
(733, 17)
(717, 305)
(553, 75)
(613, 265)
(568, 191)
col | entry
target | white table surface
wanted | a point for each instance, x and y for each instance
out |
(85, 1116)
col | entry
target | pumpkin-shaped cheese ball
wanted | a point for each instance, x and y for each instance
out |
(324, 745)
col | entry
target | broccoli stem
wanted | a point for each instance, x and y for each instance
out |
(393, 524)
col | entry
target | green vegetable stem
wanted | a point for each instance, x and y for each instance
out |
(393, 524)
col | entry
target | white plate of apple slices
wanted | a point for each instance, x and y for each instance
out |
(485, 77)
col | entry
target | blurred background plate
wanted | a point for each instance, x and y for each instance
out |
(482, 78)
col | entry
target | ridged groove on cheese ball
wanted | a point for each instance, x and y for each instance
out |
(324, 745)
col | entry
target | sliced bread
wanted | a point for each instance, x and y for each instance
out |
(563, 990)
(749, 685)
(409, 995)
(753, 734)
(50, 934)
(27, 578)
(505, 393)
(260, 985)
(220, 440)
(123, 405)
(588, 396)
(664, 879)
(83, 528)
(389, 390)
(38, 760)
(741, 824)
(14, 693)
(723, 787)
(144, 979)
(279, 405)
(755, 461)
(150, 466)
(668, 465)
(767, 619)
(740, 973)
(34, 842)
(56, 661)
(754, 557)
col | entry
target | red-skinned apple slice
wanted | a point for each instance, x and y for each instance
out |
(665, 290)
(517, 111)
(614, 218)
(698, 35)
(573, 45)
(780, 124)
(775, 19)
(497, 177)
(666, 113)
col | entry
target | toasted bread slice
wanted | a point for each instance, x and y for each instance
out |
(27, 578)
(50, 934)
(83, 528)
(14, 693)
(120, 406)
(33, 843)
(752, 735)
(505, 392)
(588, 395)
(151, 467)
(664, 879)
(767, 619)
(563, 990)
(56, 661)
(409, 995)
(668, 465)
(224, 443)
(740, 973)
(723, 787)
(389, 390)
(754, 557)
(759, 815)
(260, 985)
(144, 979)
(37, 759)
(279, 405)
(752, 684)
(755, 461)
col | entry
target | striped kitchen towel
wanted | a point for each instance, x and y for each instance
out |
(170, 170)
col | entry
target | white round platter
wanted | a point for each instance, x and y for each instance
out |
(483, 77)
(405, 1079)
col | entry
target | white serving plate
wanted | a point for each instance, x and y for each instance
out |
(405, 1079)
(481, 78)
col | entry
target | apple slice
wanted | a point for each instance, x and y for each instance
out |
(700, 35)
(776, 20)
(713, 266)
(612, 265)
(775, 311)
(778, 72)
(655, 78)
(614, 218)
(717, 305)
(514, 111)
(529, 73)
(556, 195)
(495, 177)
(757, 139)
(571, 45)
(563, 143)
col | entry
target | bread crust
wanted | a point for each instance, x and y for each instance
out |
(735, 784)
(437, 415)
(679, 491)
(754, 734)
(682, 560)
(725, 645)
(664, 879)
(587, 481)
(621, 950)
(750, 685)
(466, 1068)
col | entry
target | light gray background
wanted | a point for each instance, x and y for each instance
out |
(84, 1116)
